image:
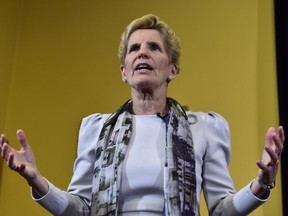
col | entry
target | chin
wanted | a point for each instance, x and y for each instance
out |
(147, 85)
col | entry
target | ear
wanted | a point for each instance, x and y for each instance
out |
(123, 73)
(173, 72)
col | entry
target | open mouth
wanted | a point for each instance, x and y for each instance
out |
(143, 67)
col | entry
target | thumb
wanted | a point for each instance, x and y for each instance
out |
(22, 138)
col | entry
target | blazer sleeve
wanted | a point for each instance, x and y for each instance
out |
(219, 192)
(76, 201)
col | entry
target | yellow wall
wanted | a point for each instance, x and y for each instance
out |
(65, 67)
(10, 14)
(267, 109)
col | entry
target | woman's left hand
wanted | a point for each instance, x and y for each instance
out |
(271, 155)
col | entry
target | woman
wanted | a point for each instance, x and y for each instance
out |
(150, 157)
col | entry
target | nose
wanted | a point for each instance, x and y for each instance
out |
(143, 53)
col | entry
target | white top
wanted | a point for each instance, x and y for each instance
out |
(142, 176)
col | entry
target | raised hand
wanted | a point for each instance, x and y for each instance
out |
(23, 162)
(271, 155)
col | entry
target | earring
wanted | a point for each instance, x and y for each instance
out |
(124, 80)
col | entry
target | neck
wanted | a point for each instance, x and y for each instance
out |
(147, 104)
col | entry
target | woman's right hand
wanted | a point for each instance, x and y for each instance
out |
(23, 162)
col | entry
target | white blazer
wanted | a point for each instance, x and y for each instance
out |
(211, 138)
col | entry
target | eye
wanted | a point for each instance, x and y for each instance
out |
(154, 47)
(134, 48)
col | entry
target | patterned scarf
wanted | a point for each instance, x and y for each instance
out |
(179, 166)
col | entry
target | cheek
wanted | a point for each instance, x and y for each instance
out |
(164, 65)
(128, 64)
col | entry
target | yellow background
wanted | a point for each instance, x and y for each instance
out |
(58, 64)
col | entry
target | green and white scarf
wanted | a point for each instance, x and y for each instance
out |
(179, 166)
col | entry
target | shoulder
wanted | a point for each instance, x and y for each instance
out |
(210, 124)
(92, 123)
(94, 118)
(215, 131)
(208, 118)
(90, 129)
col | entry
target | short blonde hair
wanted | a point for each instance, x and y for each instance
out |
(150, 21)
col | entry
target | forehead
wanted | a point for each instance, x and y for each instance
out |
(145, 35)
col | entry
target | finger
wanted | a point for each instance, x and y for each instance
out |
(5, 151)
(2, 140)
(269, 136)
(278, 144)
(272, 154)
(22, 138)
(22, 168)
(261, 165)
(281, 134)
(10, 162)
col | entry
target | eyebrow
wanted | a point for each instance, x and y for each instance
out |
(149, 43)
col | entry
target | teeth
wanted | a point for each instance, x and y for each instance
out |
(143, 66)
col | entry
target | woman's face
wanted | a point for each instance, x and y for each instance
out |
(147, 64)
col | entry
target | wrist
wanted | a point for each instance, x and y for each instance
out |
(258, 189)
(266, 186)
(38, 184)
